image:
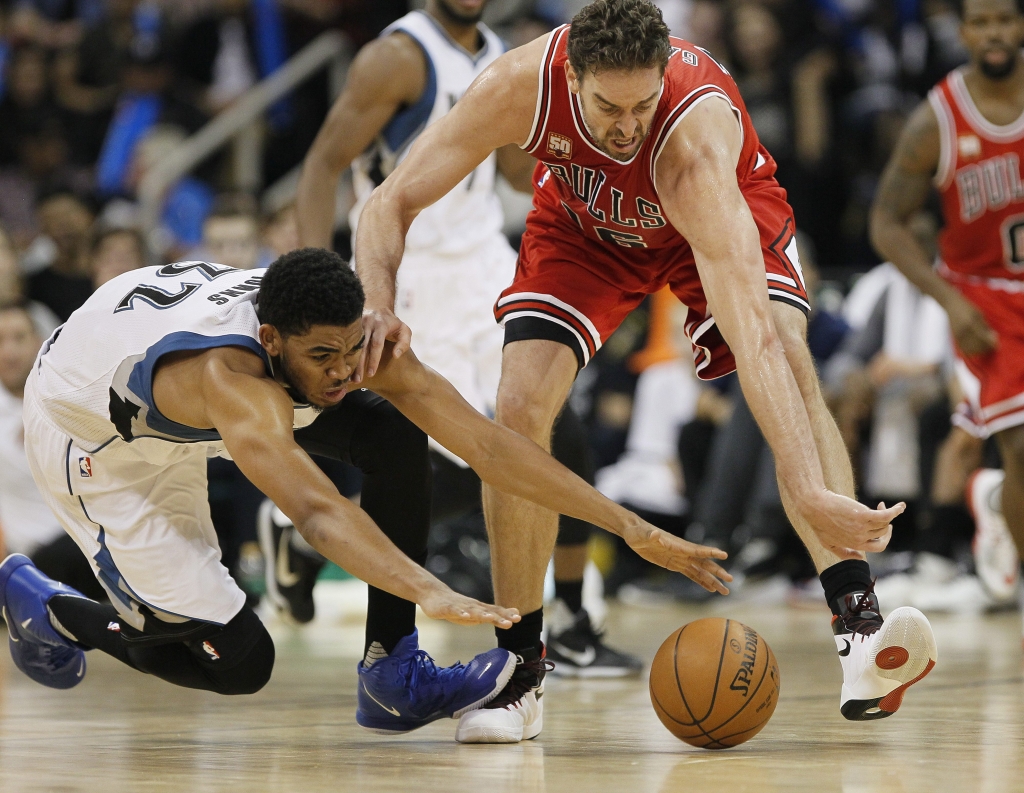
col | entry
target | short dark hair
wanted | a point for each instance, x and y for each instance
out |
(234, 205)
(102, 232)
(618, 35)
(307, 287)
(958, 7)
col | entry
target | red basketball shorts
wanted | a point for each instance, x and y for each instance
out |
(993, 384)
(577, 291)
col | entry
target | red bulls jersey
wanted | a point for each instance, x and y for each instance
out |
(587, 191)
(979, 180)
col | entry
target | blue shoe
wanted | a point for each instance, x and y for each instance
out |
(405, 690)
(38, 650)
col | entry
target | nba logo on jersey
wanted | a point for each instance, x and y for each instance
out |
(559, 146)
(85, 466)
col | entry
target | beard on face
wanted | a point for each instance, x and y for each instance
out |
(999, 71)
(458, 16)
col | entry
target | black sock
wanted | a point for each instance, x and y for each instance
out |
(946, 525)
(523, 635)
(389, 619)
(842, 578)
(92, 624)
(571, 592)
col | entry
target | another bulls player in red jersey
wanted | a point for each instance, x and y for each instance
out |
(967, 141)
(650, 173)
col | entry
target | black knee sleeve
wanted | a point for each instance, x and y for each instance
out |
(569, 447)
(237, 658)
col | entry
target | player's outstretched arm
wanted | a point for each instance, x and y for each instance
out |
(385, 75)
(903, 191)
(254, 417)
(510, 462)
(697, 184)
(496, 111)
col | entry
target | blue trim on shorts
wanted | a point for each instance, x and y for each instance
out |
(112, 577)
(67, 466)
(406, 124)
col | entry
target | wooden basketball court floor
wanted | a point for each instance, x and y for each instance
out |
(962, 729)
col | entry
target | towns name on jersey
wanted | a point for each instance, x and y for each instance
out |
(586, 184)
(989, 185)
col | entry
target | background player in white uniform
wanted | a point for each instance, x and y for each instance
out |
(457, 261)
(165, 366)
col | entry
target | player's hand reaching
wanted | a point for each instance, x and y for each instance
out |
(696, 562)
(443, 603)
(380, 325)
(845, 526)
(972, 333)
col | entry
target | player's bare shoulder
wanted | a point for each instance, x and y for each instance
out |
(395, 64)
(918, 148)
(510, 85)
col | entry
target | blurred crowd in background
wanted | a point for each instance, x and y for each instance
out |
(95, 93)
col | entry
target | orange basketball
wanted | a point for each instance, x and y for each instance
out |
(715, 683)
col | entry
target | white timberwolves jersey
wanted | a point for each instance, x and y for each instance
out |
(93, 378)
(470, 215)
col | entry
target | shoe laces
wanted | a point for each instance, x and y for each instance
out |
(527, 676)
(425, 681)
(863, 615)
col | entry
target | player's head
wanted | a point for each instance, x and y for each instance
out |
(311, 309)
(618, 50)
(993, 32)
(461, 12)
(19, 343)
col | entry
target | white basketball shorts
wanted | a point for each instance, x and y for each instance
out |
(146, 529)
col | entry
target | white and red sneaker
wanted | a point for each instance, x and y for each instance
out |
(517, 713)
(881, 658)
(996, 560)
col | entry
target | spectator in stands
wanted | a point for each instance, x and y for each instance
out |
(28, 525)
(42, 157)
(231, 234)
(63, 285)
(115, 251)
(87, 76)
(12, 288)
(27, 100)
(886, 374)
(186, 204)
(150, 98)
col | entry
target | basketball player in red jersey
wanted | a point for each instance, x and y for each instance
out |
(650, 174)
(967, 140)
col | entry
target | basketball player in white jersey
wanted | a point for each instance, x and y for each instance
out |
(456, 263)
(166, 366)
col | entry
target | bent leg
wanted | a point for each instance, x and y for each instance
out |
(536, 376)
(236, 658)
(569, 447)
(791, 324)
(1011, 447)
